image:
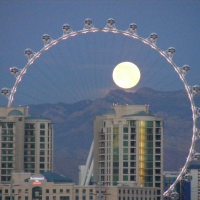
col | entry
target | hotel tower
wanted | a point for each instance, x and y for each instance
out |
(26, 143)
(128, 147)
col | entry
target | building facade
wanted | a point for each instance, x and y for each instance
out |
(51, 186)
(195, 182)
(26, 143)
(128, 147)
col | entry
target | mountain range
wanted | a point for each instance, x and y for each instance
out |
(73, 125)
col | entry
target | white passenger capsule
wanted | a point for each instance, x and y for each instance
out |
(187, 177)
(197, 156)
(174, 196)
(185, 68)
(28, 53)
(88, 23)
(153, 37)
(66, 28)
(5, 92)
(171, 51)
(195, 89)
(46, 38)
(14, 71)
(110, 23)
(132, 27)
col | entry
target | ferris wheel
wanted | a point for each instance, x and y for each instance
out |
(131, 33)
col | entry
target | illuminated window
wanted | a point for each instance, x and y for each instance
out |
(115, 130)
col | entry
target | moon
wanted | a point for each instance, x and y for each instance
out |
(126, 75)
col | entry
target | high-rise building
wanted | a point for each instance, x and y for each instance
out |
(128, 147)
(195, 182)
(26, 143)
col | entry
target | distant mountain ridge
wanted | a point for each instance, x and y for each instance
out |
(73, 125)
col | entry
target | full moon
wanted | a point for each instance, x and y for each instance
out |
(126, 75)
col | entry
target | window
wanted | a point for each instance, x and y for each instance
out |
(125, 150)
(125, 143)
(133, 130)
(29, 126)
(42, 132)
(115, 130)
(6, 191)
(132, 143)
(61, 190)
(115, 164)
(158, 151)
(125, 164)
(158, 137)
(133, 137)
(132, 171)
(116, 150)
(132, 178)
(132, 157)
(158, 164)
(42, 146)
(158, 123)
(125, 136)
(10, 125)
(42, 152)
(125, 157)
(133, 150)
(125, 178)
(133, 164)
(41, 159)
(54, 190)
(157, 144)
(158, 158)
(115, 171)
(64, 197)
(84, 191)
(77, 191)
(41, 166)
(125, 129)
(157, 178)
(42, 139)
(47, 190)
(67, 190)
(132, 122)
(42, 126)
(125, 171)
(157, 171)
(47, 197)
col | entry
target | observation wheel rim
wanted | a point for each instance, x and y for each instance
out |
(134, 36)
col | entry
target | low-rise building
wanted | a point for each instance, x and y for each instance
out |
(51, 186)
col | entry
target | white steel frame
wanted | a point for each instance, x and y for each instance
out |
(191, 90)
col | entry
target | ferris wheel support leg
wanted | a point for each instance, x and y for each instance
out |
(89, 173)
(89, 160)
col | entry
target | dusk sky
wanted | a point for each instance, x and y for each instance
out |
(81, 67)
